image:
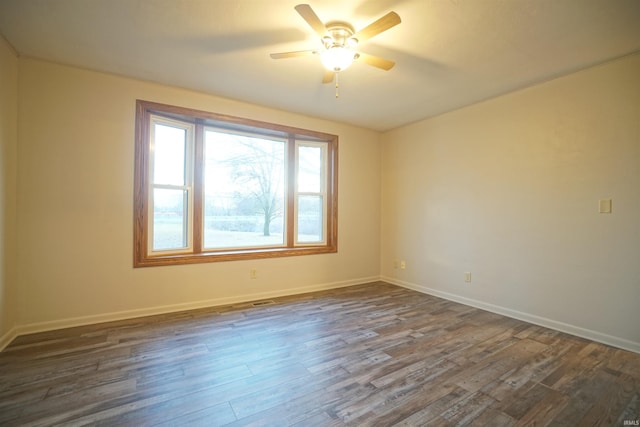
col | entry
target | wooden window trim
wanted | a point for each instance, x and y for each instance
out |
(144, 111)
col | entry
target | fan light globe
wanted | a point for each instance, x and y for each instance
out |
(337, 58)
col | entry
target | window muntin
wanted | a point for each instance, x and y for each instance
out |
(195, 200)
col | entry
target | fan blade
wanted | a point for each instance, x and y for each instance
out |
(376, 61)
(389, 20)
(328, 76)
(312, 19)
(282, 55)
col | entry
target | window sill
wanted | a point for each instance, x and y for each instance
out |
(235, 255)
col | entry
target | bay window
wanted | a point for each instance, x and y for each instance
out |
(211, 187)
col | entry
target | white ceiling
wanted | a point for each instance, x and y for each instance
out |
(448, 53)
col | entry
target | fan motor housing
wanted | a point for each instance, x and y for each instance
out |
(340, 34)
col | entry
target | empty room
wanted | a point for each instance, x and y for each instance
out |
(363, 213)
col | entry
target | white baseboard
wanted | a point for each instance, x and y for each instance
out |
(527, 317)
(614, 341)
(31, 328)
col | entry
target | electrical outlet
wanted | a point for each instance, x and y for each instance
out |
(253, 273)
(403, 264)
(467, 277)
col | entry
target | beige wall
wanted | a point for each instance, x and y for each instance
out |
(8, 204)
(76, 132)
(508, 190)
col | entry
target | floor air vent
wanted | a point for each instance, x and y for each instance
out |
(261, 303)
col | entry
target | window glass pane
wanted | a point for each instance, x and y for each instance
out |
(309, 169)
(244, 191)
(169, 219)
(310, 219)
(169, 155)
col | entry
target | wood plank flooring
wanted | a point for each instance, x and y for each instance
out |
(369, 355)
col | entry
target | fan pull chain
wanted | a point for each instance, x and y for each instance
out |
(337, 86)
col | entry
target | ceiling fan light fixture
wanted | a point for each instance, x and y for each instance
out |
(337, 58)
(340, 42)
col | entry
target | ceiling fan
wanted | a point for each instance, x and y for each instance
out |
(340, 41)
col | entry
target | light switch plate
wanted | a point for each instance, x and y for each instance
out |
(604, 206)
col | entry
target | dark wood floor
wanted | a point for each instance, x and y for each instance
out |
(365, 355)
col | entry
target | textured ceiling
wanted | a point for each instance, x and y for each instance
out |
(448, 53)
